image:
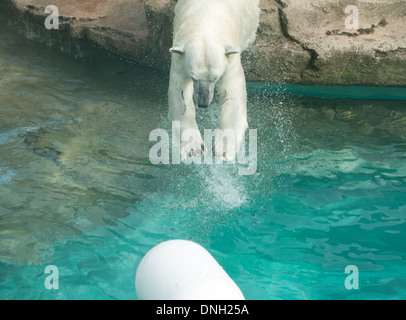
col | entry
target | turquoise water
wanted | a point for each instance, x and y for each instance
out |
(77, 189)
(323, 91)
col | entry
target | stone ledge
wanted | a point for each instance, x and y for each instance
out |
(298, 41)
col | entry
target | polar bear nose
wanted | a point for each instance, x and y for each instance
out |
(203, 100)
(203, 94)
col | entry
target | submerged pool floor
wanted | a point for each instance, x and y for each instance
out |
(77, 189)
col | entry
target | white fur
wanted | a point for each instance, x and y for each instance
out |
(209, 36)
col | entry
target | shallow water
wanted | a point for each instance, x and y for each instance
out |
(77, 189)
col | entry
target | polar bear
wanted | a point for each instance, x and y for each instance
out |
(209, 36)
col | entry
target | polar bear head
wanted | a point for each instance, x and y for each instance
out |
(204, 63)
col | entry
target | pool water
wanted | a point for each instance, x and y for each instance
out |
(77, 189)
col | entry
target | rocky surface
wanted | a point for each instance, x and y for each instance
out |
(298, 41)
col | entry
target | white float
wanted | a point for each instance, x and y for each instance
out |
(183, 270)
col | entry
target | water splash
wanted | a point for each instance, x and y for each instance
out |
(222, 187)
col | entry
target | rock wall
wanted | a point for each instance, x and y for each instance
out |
(298, 41)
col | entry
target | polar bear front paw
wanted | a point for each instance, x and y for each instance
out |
(227, 144)
(228, 156)
(192, 145)
(192, 150)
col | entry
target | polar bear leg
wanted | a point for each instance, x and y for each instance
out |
(182, 109)
(233, 116)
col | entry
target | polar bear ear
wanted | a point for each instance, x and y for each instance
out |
(177, 49)
(231, 50)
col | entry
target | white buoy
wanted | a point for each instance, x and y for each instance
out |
(183, 270)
